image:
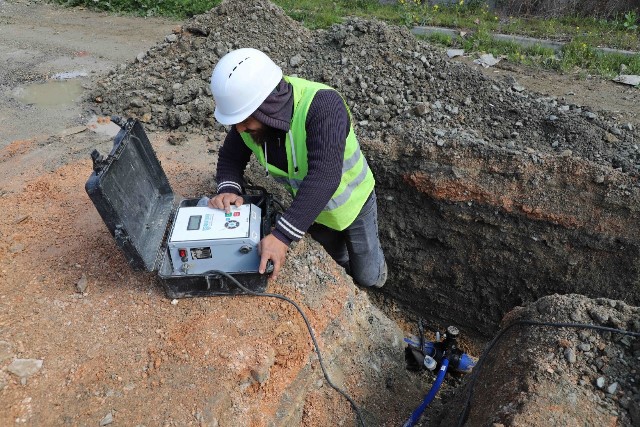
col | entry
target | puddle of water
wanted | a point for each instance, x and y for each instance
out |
(50, 94)
(69, 75)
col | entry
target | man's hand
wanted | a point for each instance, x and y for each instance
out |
(225, 200)
(272, 249)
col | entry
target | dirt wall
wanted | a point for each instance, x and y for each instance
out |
(471, 231)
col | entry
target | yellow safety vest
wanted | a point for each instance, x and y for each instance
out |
(357, 180)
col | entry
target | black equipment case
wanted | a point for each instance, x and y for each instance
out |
(133, 196)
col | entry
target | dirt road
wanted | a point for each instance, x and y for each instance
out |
(42, 44)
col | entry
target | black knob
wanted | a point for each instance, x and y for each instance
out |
(245, 249)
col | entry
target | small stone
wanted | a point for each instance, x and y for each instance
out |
(610, 138)
(421, 109)
(584, 347)
(614, 130)
(627, 126)
(600, 382)
(174, 302)
(140, 57)
(553, 118)
(570, 355)
(136, 102)
(599, 179)
(177, 139)
(296, 60)
(566, 153)
(24, 368)
(589, 115)
(108, 419)
(518, 88)
(613, 387)
(171, 38)
(81, 285)
(519, 124)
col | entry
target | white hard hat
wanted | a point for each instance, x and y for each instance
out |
(240, 82)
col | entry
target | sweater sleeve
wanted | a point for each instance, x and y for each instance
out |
(327, 128)
(232, 161)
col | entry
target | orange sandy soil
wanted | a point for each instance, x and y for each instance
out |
(122, 346)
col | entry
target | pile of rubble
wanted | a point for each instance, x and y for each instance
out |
(393, 83)
(543, 375)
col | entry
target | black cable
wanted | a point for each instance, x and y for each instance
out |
(476, 369)
(310, 329)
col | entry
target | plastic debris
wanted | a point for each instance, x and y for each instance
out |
(487, 60)
(452, 53)
(628, 79)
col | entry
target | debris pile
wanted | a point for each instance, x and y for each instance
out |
(394, 85)
(542, 375)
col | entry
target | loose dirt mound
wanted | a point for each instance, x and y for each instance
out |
(395, 85)
(548, 376)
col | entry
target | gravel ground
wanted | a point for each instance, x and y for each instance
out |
(556, 377)
(394, 84)
(100, 341)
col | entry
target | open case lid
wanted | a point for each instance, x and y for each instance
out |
(132, 194)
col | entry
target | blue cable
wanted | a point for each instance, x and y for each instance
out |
(415, 416)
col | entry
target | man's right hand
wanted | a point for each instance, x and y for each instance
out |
(225, 200)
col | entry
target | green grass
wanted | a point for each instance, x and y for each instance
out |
(582, 34)
(171, 8)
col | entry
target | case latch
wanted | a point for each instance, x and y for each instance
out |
(121, 236)
(98, 161)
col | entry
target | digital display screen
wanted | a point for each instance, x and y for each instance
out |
(194, 222)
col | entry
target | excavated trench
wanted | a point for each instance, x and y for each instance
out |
(487, 228)
(490, 197)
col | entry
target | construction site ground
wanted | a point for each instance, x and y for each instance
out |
(114, 349)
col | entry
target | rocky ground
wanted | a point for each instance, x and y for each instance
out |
(542, 375)
(497, 187)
